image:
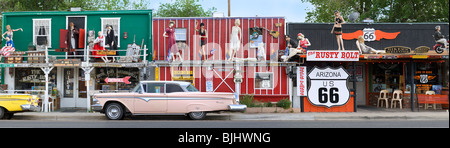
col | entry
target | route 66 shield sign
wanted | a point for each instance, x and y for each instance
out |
(328, 87)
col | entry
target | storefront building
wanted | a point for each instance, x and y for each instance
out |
(264, 76)
(405, 60)
(42, 58)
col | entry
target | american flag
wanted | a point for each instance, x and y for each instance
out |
(6, 51)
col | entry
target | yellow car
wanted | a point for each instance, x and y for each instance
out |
(13, 103)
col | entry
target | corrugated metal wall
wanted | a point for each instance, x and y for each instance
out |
(219, 30)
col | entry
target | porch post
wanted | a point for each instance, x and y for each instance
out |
(87, 77)
(46, 72)
(413, 87)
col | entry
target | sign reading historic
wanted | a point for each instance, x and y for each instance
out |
(332, 55)
(301, 81)
(328, 87)
(118, 80)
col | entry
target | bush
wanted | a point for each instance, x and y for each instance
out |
(247, 100)
(285, 103)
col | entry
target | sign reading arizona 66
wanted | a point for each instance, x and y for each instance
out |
(328, 87)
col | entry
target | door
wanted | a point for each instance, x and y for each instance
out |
(152, 100)
(79, 38)
(74, 88)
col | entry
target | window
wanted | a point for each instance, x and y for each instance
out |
(264, 80)
(154, 87)
(191, 88)
(115, 22)
(171, 88)
(180, 34)
(42, 32)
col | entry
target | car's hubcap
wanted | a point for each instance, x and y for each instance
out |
(113, 112)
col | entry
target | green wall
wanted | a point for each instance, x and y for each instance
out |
(134, 22)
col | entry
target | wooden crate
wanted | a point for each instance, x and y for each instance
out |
(15, 57)
(36, 57)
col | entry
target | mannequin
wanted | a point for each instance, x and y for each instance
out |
(10, 32)
(235, 39)
(72, 39)
(171, 44)
(364, 49)
(110, 39)
(203, 36)
(303, 43)
(100, 45)
(337, 28)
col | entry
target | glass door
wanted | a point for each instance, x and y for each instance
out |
(69, 90)
(74, 88)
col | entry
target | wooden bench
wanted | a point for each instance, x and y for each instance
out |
(433, 99)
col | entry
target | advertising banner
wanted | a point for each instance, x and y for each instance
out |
(302, 81)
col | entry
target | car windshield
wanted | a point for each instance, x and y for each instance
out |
(191, 88)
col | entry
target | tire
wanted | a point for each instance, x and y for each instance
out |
(114, 111)
(2, 112)
(439, 49)
(197, 115)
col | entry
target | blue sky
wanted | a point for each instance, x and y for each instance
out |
(293, 10)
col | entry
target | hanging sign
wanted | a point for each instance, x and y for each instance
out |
(118, 80)
(301, 81)
(328, 87)
(332, 55)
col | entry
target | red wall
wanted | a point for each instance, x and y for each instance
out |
(219, 30)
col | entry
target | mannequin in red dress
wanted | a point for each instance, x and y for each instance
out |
(100, 45)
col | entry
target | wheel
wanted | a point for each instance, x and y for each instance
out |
(2, 112)
(114, 111)
(197, 115)
(439, 49)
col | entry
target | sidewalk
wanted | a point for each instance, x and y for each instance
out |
(361, 115)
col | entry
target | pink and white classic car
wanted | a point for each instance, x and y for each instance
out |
(164, 97)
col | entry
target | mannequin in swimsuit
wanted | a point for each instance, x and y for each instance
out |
(337, 29)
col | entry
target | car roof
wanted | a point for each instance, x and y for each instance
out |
(172, 82)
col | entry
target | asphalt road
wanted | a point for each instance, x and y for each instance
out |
(224, 124)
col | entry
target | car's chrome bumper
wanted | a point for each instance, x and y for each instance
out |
(29, 107)
(237, 107)
(97, 107)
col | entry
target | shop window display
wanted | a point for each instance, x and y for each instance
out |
(387, 77)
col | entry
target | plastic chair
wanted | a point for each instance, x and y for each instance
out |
(383, 96)
(430, 93)
(50, 105)
(397, 96)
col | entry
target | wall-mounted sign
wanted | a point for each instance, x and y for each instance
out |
(332, 55)
(118, 80)
(422, 49)
(302, 81)
(397, 49)
(328, 87)
(370, 34)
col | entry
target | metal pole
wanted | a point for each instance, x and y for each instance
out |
(354, 87)
(413, 88)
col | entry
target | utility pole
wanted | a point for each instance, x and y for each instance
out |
(229, 10)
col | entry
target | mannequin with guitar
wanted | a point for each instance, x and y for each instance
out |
(273, 33)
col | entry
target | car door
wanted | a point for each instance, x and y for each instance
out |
(151, 100)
